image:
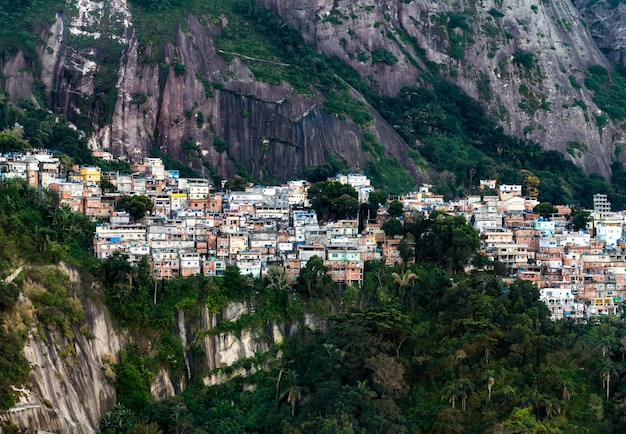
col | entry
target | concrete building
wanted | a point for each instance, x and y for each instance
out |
(562, 303)
(601, 203)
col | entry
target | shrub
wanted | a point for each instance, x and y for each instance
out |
(179, 68)
(524, 58)
(138, 98)
(574, 83)
(220, 144)
(495, 13)
(383, 56)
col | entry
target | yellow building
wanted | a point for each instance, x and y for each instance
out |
(89, 174)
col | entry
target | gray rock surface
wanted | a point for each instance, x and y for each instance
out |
(70, 390)
(606, 20)
(274, 133)
(477, 54)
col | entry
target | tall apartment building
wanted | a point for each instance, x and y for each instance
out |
(601, 203)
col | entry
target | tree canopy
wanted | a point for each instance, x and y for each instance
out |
(580, 218)
(395, 209)
(333, 200)
(447, 240)
(137, 205)
(545, 209)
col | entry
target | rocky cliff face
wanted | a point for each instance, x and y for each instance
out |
(70, 377)
(270, 130)
(606, 20)
(71, 380)
(479, 46)
(222, 350)
(523, 61)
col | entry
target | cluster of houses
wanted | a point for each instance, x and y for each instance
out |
(195, 229)
(579, 273)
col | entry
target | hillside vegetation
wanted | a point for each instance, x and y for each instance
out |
(34, 233)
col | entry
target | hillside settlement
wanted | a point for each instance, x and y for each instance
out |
(197, 228)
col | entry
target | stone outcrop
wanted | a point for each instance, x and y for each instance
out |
(270, 131)
(606, 20)
(70, 378)
(224, 349)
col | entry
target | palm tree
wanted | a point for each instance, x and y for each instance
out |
(42, 237)
(451, 393)
(553, 407)
(293, 394)
(490, 384)
(403, 280)
(465, 387)
(460, 388)
(280, 376)
(10, 202)
(606, 371)
(568, 388)
(606, 381)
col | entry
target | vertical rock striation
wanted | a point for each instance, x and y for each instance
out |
(524, 61)
(476, 45)
(70, 390)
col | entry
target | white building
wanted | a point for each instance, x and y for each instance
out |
(198, 188)
(609, 228)
(561, 303)
(507, 191)
(601, 203)
(359, 182)
(154, 168)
